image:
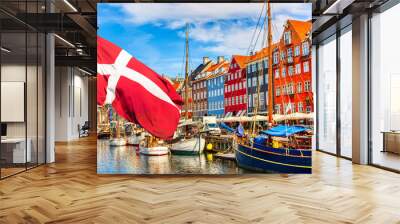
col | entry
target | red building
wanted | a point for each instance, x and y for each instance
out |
(292, 69)
(235, 99)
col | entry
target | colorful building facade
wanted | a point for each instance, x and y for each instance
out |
(257, 77)
(199, 88)
(292, 69)
(235, 98)
(215, 90)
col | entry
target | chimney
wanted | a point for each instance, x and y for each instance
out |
(220, 59)
(205, 60)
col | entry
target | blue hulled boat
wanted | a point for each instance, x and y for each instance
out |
(258, 156)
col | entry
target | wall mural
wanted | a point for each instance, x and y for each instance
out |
(210, 88)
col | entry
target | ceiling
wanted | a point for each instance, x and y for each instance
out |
(75, 21)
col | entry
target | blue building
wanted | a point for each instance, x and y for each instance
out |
(215, 90)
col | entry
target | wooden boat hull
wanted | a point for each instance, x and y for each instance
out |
(193, 146)
(267, 159)
(154, 151)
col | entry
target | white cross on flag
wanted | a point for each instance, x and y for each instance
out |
(135, 91)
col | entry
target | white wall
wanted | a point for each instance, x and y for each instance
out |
(71, 102)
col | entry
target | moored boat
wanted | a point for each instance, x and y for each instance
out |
(117, 142)
(135, 139)
(261, 156)
(154, 151)
(191, 146)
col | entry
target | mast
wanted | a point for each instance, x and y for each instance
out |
(270, 58)
(187, 72)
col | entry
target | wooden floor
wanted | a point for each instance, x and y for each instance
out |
(70, 191)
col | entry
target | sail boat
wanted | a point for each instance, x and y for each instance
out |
(261, 153)
(116, 138)
(186, 142)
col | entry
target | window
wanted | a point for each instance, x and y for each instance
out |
(290, 89)
(237, 100)
(284, 90)
(276, 57)
(287, 37)
(298, 69)
(307, 86)
(290, 70)
(292, 107)
(236, 86)
(300, 107)
(278, 91)
(262, 102)
(266, 63)
(250, 101)
(308, 109)
(306, 67)
(277, 73)
(254, 81)
(278, 108)
(261, 80)
(327, 126)
(229, 88)
(254, 100)
(283, 72)
(244, 99)
(282, 55)
(289, 52)
(240, 100)
(299, 87)
(297, 50)
(249, 82)
(240, 85)
(305, 48)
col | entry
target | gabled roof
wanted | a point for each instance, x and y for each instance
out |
(241, 60)
(302, 28)
(224, 65)
(217, 66)
(199, 70)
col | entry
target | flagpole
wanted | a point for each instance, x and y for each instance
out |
(187, 72)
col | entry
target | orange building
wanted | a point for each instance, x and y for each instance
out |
(292, 69)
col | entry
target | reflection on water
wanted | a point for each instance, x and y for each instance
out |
(127, 160)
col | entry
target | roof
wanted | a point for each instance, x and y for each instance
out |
(241, 60)
(302, 28)
(198, 70)
(217, 66)
(263, 53)
(224, 65)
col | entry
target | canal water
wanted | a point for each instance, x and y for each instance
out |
(127, 160)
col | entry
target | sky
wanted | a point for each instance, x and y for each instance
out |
(154, 33)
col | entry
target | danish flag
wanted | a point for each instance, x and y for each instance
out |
(135, 91)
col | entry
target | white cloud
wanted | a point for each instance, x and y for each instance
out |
(175, 15)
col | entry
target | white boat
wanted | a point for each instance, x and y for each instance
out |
(191, 146)
(135, 139)
(117, 142)
(153, 151)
